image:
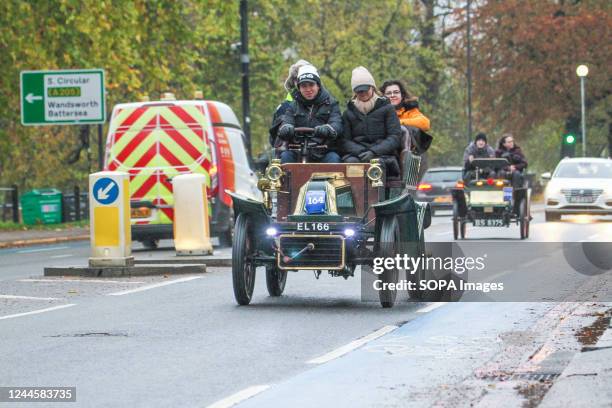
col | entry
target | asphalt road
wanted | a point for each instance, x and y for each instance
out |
(182, 341)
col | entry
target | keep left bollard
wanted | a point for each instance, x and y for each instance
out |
(191, 218)
(109, 215)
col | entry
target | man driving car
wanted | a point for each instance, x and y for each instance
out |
(313, 107)
(478, 149)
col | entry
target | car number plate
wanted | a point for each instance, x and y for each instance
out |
(313, 226)
(580, 199)
(492, 222)
(443, 199)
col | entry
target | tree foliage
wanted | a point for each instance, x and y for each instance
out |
(525, 59)
(525, 55)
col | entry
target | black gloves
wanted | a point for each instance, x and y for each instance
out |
(286, 132)
(324, 132)
(366, 156)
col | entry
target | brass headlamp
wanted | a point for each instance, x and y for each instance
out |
(375, 173)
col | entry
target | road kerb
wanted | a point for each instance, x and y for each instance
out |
(41, 241)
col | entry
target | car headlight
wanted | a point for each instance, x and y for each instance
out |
(375, 172)
(274, 173)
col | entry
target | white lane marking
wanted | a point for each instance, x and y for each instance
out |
(497, 275)
(76, 280)
(443, 233)
(339, 352)
(532, 262)
(239, 396)
(31, 251)
(431, 307)
(61, 256)
(27, 297)
(49, 309)
(153, 286)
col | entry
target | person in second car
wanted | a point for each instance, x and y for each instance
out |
(478, 149)
(507, 149)
(406, 105)
(371, 127)
(313, 107)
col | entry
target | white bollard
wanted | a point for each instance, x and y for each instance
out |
(191, 216)
(109, 219)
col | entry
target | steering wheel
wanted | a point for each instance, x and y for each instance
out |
(305, 145)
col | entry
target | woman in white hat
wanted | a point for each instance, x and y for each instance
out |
(371, 127)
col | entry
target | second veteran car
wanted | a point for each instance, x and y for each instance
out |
(330, 218)
(490, 202)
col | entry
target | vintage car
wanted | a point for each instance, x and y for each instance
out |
(327, 217)
(490, 202)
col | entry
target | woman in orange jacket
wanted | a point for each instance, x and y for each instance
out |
(406, 105)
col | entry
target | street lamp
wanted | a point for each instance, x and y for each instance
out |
(582, 71)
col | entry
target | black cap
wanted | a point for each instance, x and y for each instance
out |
(480, 136)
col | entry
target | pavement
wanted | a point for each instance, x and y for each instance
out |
(157, 341)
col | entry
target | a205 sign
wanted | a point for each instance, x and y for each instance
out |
(66, 97)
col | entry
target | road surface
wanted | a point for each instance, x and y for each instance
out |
(182, 340)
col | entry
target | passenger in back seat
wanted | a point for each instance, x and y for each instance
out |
(406, 105)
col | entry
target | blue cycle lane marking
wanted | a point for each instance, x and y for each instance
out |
(105, 191)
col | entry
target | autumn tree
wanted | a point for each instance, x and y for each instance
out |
(525, 59)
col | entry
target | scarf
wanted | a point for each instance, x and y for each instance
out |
(367, 106)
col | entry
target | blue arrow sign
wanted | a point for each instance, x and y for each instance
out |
(105, 190)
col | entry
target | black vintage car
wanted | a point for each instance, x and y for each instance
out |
(327, 217)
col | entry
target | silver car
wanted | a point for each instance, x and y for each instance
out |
(579, 186)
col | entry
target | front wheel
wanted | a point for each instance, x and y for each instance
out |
(524, 218)
(243, 268)
(456, 222)
(275, 280)
(389, 242)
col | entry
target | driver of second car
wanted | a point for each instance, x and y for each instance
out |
(313, 107)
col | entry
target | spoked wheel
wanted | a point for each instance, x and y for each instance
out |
(243, 268)
(524, 219)
(275, 280)
(456, 222)
(389, 242)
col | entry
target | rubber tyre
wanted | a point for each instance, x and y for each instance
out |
(523, 219)
(243, 271)
(388, 243)
(150, 243)
(275, 280)
(550, 217)
(456, 221)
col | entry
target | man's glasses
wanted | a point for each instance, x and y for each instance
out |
(391, 93)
